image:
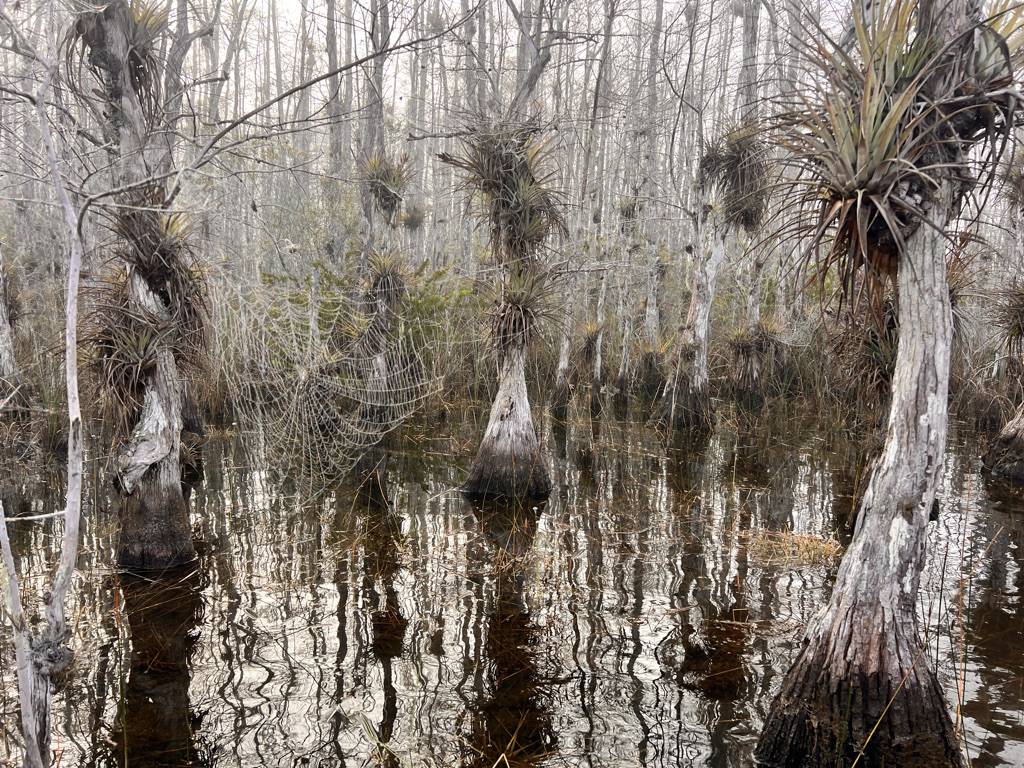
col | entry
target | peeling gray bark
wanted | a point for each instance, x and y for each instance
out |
(863, 652)
(510, 462)
(155, 530)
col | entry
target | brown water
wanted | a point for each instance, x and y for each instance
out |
(643, 616)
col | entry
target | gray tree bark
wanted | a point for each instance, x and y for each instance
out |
(9, 377)
(509, 462)
(862, 662)
(685, 401)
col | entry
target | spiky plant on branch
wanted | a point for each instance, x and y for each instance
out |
(737, 166)
(143, 24)
(505, 164)
(886, 143)
(387, 178)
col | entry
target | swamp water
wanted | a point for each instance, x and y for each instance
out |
(643, 616)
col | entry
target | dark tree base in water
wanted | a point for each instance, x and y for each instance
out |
(818, 720)
(686, 409)
(510, 463)
(1005, 454)
(502, 477)
(155, 531)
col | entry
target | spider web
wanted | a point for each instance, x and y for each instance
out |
(318, 379)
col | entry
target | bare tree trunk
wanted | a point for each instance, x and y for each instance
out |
(862, 663)
(42, 654)
(595, 377)
(685, 400)
(622, 379)
(9, 377)
(560, 395)
(237, 23)
(509, 462)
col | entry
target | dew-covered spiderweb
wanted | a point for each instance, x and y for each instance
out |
(320, 369)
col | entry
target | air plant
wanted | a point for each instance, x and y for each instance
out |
(519, 304)
(122, 342)
(737, 165)
(157, 246)
(386, 279)
(414, 218)
(125, 333)
(143, 23)
(867, 142)
(387, 179)
(960, 274)
(505, 163)
(1008, 318)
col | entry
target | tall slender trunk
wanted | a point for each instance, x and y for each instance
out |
(9, 377)
(595, 376)
(560, 394)
(685, 400)
(622, 379)
(217, 88)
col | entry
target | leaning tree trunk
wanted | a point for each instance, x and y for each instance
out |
(509, 462)
(685, 400)
(862, 664)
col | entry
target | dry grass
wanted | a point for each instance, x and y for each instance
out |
(793, 550)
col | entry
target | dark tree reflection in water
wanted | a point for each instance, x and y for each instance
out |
(643, 616)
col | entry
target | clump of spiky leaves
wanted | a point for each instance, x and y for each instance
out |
(142, 23)
(752, 352)
(737, 165)
(157, 245)
(960, 275)
(506, 163)
(629, 207)
(588, 350)
(125, 330)
(387, 178)
(1008, 318)
(874, 130)
(522, 301)
(414, 217)
(386, 279)
(122, 341)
